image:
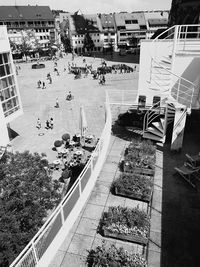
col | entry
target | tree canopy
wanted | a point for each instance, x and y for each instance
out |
(27, 193)
(88, 42)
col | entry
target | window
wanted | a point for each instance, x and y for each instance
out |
(133, 21)
(105, 40)
(105, 34)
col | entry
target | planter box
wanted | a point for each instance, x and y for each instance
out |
(132, 195)
(136, 170)
(130, 238)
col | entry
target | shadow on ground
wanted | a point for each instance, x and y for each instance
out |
(180, 204)
(129, 58)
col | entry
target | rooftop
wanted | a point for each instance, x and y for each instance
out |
(25, 13)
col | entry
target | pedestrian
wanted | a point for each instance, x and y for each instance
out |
(43, 85)
(51, 123)
(39, 84)
(47, 124)
(64, 68)
(38, 124)
(58, 73)
(57, 103)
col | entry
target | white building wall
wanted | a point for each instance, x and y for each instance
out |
(148, 50)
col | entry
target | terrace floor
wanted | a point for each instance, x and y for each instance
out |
(176, 207)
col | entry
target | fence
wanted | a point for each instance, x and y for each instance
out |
(42, 248)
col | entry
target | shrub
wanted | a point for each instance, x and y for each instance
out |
(138, 184)
(112, 256)
(126, 221)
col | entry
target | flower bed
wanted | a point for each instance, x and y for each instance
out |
(113, 257)
(133, 186)
(140, 158)
(127, 224)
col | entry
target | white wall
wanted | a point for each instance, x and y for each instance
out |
(4, 138)
(148, 50)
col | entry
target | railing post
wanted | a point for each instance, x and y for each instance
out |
(34, 252)
(175, 43)
(179, 83)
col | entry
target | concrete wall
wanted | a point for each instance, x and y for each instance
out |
(148, 50)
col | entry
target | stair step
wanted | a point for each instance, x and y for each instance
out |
(153, 137)
(162, 66)
(155, 131)
(134, 130)
(158, 125)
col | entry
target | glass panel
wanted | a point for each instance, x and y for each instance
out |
(5, 57)
(7, 93)
(3, 83)
(94, 160)
(13, 91)
(9, 104)
(1, 96)
(2, 71)
(8, 69)
(85, 178)
(1, 59)
(10, 80)
(48, 237)
(70, 202)
(4, 107)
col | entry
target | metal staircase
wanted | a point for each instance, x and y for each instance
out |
(178, 91)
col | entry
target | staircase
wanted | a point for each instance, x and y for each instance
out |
(179, 92)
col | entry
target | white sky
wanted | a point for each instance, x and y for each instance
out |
(95, 6)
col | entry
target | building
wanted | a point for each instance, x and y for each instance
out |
(130, 25)
(155, 20)
(184, 12)
(11, 106)
(81, 26)
(20, 19)
(109, 32)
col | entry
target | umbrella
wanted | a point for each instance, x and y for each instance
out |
(58, 143)
(82, 122)
(65, 137)
(54, 47)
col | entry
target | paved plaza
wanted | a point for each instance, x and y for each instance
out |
(40, 103)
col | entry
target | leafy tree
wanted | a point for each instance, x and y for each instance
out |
(88, 42)
(66, 42)
(133, 41)
(27, 194)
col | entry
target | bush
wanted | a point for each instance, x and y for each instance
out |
(140, 185)
(114, 257)
(126, 221)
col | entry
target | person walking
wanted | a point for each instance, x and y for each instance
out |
(39, 84)
(47, 124)
(51, 123)
(57, 103)
(39, 125)
(43, 85)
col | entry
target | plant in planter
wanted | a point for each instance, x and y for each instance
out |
(126, 224)
(133, 186)
(112, 256)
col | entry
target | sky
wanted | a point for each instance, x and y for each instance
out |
(95, 6)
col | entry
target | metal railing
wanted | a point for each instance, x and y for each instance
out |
(36, 248)
(154, 112)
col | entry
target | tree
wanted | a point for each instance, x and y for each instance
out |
(66, 42)
(88, 42)
(27, 193)
(133, 41)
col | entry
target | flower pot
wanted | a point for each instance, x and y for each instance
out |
(132, 195)
(131, 238)
(137, 170)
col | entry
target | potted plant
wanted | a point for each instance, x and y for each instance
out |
(133, 186)
(126, 224)
(103, 256)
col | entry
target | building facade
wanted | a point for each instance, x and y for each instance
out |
(36, 19)
(11, 106)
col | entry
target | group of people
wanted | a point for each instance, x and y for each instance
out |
(49, 124)
(41, 84)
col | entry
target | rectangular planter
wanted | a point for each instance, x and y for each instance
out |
(130, 238)
(132, 195)
(136, 170)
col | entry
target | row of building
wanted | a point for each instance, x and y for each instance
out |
(111, 30)
(106, 30)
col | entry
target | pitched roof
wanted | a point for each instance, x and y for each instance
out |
(25, 13)
(157, 21)
(85, 23)
(120, 18)
(107, 20)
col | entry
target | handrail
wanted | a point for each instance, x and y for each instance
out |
(177, 123)
(31, 248)
(172, 73)
(167, 30)
(145, 121)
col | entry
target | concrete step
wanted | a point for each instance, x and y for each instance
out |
(153, 137)
(158, 125)
(154, 131)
